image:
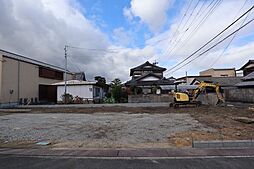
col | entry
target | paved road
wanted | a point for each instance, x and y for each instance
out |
(18, 162)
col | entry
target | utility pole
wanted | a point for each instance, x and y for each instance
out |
(65, 72)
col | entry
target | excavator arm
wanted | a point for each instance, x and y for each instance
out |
(203, 85)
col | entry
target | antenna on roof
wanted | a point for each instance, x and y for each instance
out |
(155, 62)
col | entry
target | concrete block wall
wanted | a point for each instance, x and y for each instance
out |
(208, 99)
(150, 98)
(240, 95)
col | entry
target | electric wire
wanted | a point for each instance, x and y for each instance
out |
(202, 21)
(229, 43)
(214, 45)
(212, 39)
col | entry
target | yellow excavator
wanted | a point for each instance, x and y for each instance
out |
(181, 98)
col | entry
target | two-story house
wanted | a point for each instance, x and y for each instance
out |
(148, 76)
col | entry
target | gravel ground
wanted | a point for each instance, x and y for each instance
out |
(97, 129)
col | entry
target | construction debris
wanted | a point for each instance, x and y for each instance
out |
(251, 108)
(244, 120)
(43, 143)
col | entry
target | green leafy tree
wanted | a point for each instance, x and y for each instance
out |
(101, 81)
(116, 82)
(116, 89)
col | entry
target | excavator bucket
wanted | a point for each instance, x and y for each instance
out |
(220, 102)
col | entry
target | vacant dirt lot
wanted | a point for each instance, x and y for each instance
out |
(124, 127)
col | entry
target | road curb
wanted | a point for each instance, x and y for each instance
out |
(224, 144)
(131, 153)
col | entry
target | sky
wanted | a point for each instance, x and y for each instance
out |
(108, 37)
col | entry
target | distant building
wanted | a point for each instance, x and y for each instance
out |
(243, 91)
(87, 91)
(24, 80)
(79, 76)
(224, 82)
(145, 69)
(186, 80)
(247, 68)
(227, 72)
(148, 76)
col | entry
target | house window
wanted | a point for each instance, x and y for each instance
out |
(50, 73)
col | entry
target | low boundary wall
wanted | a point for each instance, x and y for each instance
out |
(150, 98)
(240, 95)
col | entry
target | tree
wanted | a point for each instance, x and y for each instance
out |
(116, 82)
(116, 89)
(101, 81)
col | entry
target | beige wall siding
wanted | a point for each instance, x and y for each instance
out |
(21, 77)
(28, 83)
(218, 73)
(9, 80)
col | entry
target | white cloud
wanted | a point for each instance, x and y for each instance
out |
(123, 37)
(221, 18)
(151, 12)
(40, 30)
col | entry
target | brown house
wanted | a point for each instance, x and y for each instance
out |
(147, 76)
(24, 80)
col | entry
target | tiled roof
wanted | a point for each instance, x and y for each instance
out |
(147, 66)
(246, 64)
(223, 81)
(245, 84)
(249, 76)
(137, 81)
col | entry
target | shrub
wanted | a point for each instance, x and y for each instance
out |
(67, 98)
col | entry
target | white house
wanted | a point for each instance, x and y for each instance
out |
(83, 89)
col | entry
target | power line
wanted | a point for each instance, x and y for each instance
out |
(93, 49)
(214, 45)
(212, 38)
(191, 14)
(209, 13)
(219, 56)
(180, 23)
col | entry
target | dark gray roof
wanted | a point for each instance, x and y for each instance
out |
(30, 60)
(246, 64)
(184, 77)
(245, 84)
(151, 66)
(249, 76)
(137, 81)
(179, 87)
(222, 81)
(247, 81)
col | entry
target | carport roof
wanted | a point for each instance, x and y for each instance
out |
(74, 82)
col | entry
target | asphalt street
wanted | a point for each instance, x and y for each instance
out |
(19, 162)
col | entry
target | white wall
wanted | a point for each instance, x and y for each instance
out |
(150, 78)
(83, 91)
